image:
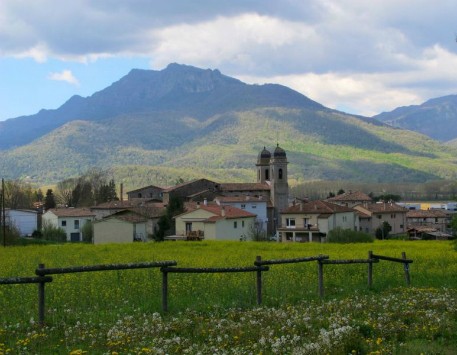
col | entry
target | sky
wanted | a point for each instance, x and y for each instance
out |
(358, 56)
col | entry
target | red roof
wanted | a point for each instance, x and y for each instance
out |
(426, 214)
(220, 212)
(351, 196)
(316, 207)
(72, 212)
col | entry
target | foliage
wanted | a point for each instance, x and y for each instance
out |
(340, 235)
(12, 235)
(49, 200)
(454, 224)
(387, 198)
(52, 233)
(216, 313)
(256, 233)
(87, 231)
(18, 194)
(382, 232)
(165, 224)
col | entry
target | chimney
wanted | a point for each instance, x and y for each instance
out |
(205, 202)
(122, 192)
(223, 211)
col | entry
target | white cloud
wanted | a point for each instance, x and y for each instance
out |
(65, 75)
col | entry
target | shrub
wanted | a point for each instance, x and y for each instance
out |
(12, 235)
(88, 232)
(340, 235)
(53, 233)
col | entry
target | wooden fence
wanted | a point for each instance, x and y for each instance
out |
(167, 267)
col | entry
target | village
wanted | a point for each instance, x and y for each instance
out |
(260, 211)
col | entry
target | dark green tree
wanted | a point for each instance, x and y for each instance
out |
(165, 225)
(49, 201)
(382, 232)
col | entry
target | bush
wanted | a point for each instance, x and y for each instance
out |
(12, 235)
(88, 232)
(53, 233)
(340, 235)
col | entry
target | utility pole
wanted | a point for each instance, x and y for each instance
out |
(2, 212)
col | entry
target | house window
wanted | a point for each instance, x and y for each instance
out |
(436, 220)
(139, 195)
(243, 206)
(280, 174)
(254, 206)
(235, 224)
(242, 224)
(64, 223)
(258, 175)
(379, 216)
(392, 215)
(290, 222)
(76, 223)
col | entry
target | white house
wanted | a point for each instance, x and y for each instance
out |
(71, 220)
(26, 221)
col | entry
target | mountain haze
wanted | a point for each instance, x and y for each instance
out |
(436, 118)
(185, 122)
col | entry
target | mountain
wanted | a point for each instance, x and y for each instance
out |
(154, 127)
(436, 118)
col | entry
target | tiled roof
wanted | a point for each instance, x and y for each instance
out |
(228, 212)
(72, 212)
(114, 205)
(383, 207)
(426, 214)
(146, 187)
(171, 188)
(244, 198)
(351, 196)
(316, 207)
(245, 187)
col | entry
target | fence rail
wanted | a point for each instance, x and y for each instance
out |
(169, 266)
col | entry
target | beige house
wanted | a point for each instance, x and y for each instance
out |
(71, 220)
(121, 227)
(351, 198)
(311, 221)
(436, 219)
(215, 222)
(372, 216)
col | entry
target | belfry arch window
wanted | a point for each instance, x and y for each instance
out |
(280, 174)
(267, 174)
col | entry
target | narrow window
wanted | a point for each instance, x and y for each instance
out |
(243, 206)
(76, 223)
(235, 224)
(64, 223)
(267, 174)
(280, 174)
(242, 224)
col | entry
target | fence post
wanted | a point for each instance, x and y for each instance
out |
(406, 268)
(164, 290)
(41, 299)
(258, 259)
(320, 277)
(370, 269)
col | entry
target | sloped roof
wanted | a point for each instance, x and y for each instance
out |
(114, 205)
(351, 196)
(244, 198)
(221, 212)
(383, 207)
(316, 207)
(146, 187)
(176, 187)
(245, 186)
(426, 214)
(72, 212)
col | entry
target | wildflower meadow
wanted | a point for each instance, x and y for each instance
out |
(119, 312)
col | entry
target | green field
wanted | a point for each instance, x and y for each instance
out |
(120, 311)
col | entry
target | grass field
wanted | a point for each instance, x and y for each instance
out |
(120, 311)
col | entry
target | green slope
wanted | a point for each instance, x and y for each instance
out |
(145, 149)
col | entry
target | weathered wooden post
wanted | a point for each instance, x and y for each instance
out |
(41, 298)
(164, 290)
(258, 261)
(320, 277)
(370, 269)
(406, 268)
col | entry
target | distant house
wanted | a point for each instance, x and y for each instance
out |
(256, 205)
(25, 221)
(215, 222)
(311, 221)
(372, 216)
(436, 219)
(195, 190)
(148, 192)
(108, 208)
(351, 198)
(71, 220)
(121, 227)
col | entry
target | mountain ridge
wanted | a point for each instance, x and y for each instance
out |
(191, 122)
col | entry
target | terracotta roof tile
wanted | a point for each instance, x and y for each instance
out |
(426, 214)
(72, 212)
(351, 196)
(245, 187)
(317, 207)
(383, 207)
